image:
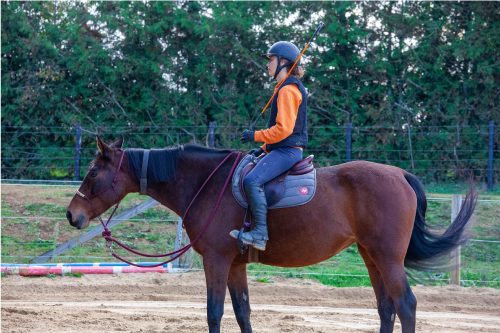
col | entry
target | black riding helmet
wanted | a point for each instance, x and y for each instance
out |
(283, 50)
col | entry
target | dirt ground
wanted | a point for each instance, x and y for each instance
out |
(155, 302)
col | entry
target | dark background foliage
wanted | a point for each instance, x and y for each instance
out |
(419, 81)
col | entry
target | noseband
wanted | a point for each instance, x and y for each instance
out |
(106, 233)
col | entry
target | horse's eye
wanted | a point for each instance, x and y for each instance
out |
(93, 174)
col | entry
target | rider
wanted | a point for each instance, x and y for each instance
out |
(284, 138)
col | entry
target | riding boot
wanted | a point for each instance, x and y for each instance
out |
(258, 206)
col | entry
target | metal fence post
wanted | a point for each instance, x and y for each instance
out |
(456, 205)
(348, 142)
(491, 134)
(211, 135)
(78, 146)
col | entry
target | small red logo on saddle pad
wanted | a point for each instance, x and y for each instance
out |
(303, 190)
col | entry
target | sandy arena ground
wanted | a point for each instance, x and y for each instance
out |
(155, 302)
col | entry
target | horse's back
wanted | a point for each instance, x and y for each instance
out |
(362, 179)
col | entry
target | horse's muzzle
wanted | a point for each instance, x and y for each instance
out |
(75, 223)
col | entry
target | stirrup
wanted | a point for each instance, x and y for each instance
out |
(242, 246)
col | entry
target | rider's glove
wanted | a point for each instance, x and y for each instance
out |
(247, 136)
(256, 152)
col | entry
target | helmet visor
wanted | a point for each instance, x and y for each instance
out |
(267, 55)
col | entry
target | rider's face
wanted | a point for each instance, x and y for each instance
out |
(272, 65)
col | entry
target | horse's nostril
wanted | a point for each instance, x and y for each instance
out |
(68, 216)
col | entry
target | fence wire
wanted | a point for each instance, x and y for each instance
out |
(50, 151)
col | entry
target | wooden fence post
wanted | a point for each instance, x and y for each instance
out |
(78, 146)
(456, 205)
(55, 234)
(491, 134)
(348, 142)
(178, 242)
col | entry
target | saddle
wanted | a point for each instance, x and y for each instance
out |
(293, 187)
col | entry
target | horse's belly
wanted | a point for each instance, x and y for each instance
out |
(302, 253)
(305, 235)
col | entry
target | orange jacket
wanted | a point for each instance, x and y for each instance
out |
(289, 99)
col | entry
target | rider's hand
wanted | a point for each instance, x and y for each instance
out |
(247, 136)
(256, 152)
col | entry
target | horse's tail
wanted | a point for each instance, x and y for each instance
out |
(426, 250)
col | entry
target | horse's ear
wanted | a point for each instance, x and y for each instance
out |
(103, 148)
(119, 144)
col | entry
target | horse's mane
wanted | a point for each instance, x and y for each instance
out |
(163, 162)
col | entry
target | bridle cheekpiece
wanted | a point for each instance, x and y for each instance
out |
(106, 233)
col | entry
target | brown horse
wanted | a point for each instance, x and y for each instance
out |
(380, 208)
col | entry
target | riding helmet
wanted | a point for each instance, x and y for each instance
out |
(283, 50)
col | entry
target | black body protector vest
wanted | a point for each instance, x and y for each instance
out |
(298, 138)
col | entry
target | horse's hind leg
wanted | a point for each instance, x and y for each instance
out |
(397, 284)
(391, 268)
(385, 305)
(238, 288)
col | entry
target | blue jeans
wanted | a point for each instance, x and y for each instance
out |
(273, 164)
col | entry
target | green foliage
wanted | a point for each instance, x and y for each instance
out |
(263, 279)
(10, 239)
(43, 209)
(153, 237)
(53, 276)
(343, 281)
(159, 72)
(40, 244)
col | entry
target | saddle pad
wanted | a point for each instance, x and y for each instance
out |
(299, 189)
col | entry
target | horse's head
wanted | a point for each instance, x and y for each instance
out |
(97, 185)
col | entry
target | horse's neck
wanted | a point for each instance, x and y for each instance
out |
(191, 172)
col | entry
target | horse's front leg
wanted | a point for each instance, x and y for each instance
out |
(216, 273)
(238, 288)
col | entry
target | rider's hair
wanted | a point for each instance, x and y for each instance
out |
(298, 71)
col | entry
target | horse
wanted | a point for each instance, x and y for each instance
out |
(381, 208)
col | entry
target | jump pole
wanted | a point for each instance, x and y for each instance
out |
(84, 264)
(46, 270)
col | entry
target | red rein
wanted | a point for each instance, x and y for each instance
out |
(107, 233)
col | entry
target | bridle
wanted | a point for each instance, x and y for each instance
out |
(107, 233)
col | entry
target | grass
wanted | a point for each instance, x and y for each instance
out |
(6, 208)
(264, 279)
(458, 188)
(76, 275)
(53, 276)
(153, 232)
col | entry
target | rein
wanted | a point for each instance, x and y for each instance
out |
(107, 233)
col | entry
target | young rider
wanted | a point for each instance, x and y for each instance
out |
(284, 138)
